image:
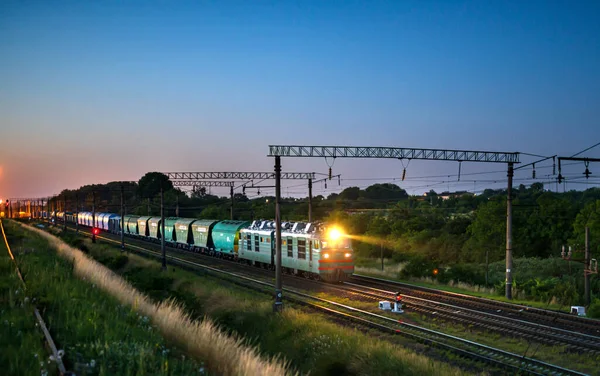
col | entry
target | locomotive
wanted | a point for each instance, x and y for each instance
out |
(313, 250)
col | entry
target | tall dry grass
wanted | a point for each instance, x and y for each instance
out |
(222, 354)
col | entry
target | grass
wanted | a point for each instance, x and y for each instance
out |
(309, 341)
(21, 340)
(108, 327)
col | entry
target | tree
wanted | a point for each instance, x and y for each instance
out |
(351, 193)
(150, 184)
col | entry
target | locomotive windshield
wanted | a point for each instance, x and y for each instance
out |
(337, 243)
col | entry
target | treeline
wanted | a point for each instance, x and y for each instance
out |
(460, 234)
(446, 228)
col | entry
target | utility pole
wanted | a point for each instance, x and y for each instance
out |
(65, 212)
(93, 216)
(278, 306)
(122, 217)
(309, 200)
(55, 201)
(509, 232)
(48, 210)
(588, 299)
(231, 194)
(162, 229)
(77, 213)
(382, 255)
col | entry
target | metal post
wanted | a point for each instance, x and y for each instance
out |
(509, 232)
(588, 299)
(162, 229)
(310, 200)
(121, 221)
(19, 207)
(77, 213)
(55, 201)
(48, 209)
(93, 217)
(487, 266)
(231, 194)
(65, 212)
(381, 255)
(177, 206)
(278, 306)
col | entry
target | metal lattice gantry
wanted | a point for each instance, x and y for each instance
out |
(389, 152)
(278, 151)
(203, 179)
(236, 175)
(201, 183)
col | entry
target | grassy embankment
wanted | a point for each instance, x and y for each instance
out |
(308, 340)
(106, 327)
(22, 349)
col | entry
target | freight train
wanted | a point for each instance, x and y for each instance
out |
(312, 250)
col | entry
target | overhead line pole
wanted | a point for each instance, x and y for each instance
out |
(278, 151)
(122, 216)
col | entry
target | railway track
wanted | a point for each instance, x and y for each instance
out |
(575, 341)
(514, 363)
(42, 324)
(556, 319)
(484, 319)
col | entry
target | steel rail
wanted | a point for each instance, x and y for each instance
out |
(516, 308)
(478, 351)
(58, 359)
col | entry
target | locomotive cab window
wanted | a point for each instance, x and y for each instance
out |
(290, 249)
(302, 249)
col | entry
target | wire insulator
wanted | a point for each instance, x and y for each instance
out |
(533, 172)
(403, 174)
(339, 180)
(329, 173)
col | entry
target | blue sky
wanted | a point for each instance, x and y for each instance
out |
(93, 92)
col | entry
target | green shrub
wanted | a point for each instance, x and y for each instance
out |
(594, 310)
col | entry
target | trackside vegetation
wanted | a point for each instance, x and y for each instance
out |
(22, 349)
(310, 342)
(106, 327)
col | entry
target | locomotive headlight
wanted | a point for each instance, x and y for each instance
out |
(325, 255)
(334, 234)
(348, 255)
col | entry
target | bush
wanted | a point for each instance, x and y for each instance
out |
(594, 310)
(469, 273)
(418, 267)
